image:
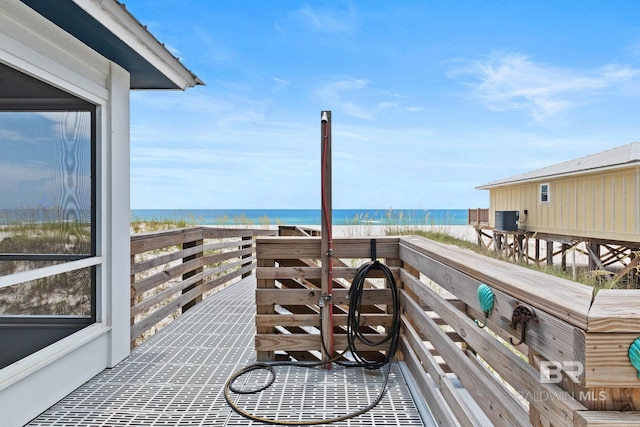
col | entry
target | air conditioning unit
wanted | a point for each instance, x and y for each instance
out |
(507, 220)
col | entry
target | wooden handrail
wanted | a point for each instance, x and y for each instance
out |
(172, 270)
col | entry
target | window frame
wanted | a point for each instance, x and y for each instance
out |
(545, 196)
(29, 105)
(69, 262)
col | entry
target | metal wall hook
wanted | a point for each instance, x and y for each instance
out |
(484, 323)
(522, 315)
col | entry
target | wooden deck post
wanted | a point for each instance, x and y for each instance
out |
(191, 273)
(594, 248)
(248, 245)
(262, 308)
(549, 253)
(497, 241)
(523, 252)
(133, 299)
(565, 248)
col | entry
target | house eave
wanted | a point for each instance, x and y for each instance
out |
(108, 28)
(547, 177)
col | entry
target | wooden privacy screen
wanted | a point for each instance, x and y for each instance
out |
(571, 370)
(288, 295)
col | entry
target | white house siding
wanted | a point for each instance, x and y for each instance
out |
(31, 44)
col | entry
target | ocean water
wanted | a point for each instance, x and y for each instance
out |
(304, 216)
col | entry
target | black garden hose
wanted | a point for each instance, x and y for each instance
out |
(353, 335)
(355, 310)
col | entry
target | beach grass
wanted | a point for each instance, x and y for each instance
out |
(395, 223)
(139, 225)
(44, 231)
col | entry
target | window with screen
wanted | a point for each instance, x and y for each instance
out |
(47, 214)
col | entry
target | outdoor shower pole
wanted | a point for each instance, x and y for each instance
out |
(326, 245)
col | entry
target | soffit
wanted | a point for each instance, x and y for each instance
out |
(150, 64)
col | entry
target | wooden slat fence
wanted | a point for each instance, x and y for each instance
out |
(172, 270)
(288, 294)
(478, 216)
(571, 370)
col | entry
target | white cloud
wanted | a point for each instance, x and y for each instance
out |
(512, 81)
(340, 94)
(324, 20)
(346, 84)
(355, 97)
(280, 83)
(213, 49)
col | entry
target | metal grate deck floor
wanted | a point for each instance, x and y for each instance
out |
(176, 378)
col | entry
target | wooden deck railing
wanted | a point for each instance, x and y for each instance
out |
(172, 270)
(573, 368)
(478, 216)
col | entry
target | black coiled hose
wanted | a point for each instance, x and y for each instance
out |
(354, 335)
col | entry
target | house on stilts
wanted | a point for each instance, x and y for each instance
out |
(590, 205)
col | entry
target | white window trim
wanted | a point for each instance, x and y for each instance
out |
(36, 361)
(548, 193)
(52, 270)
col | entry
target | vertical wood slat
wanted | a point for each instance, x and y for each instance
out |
(250, 256)
(265, 309)
(394, 264)
(133, 301)
(192, 273)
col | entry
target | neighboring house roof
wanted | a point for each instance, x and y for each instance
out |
(610, 159)
(109, 29)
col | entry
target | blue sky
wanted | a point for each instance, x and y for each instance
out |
(429, 98)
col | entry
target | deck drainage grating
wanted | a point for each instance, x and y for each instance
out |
(177, 378)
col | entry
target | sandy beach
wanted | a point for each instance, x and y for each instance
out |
(465, 232)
